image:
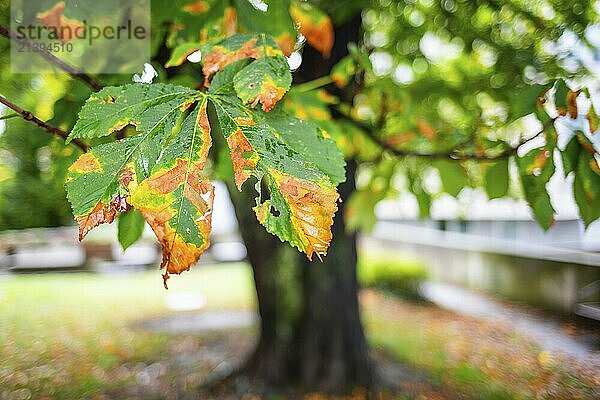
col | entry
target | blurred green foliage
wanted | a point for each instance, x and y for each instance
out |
(396, 275)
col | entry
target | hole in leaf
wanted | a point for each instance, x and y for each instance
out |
(274, 212)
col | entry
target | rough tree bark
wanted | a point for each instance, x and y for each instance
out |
(268, 363)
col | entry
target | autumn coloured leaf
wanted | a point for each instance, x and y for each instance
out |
(65, 29)
(160, 166)
(98, 180)
(157, 171)
(265, 80)
(176, 199)
(204, 20)
(235, 48)
(299, 211)
(314, 25)
(298, 161)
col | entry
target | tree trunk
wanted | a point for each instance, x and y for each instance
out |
(332, 352)
(268, 363)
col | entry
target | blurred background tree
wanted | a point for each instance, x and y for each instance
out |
(457, 89)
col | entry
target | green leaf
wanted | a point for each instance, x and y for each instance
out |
(299, 164)
(181, 53)
(560, 96)
(570, 156)
(130, 229)
(453, 176)
(152, 109)
(275, 22)
(222, 83)
(523, 102)
(418, 190)
(536, 168)
(497, 179)
(586, 187)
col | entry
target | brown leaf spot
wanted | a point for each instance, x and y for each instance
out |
(119, 204)
(99, 215)
(167, 181)
(572, 103)
(127, 177)
(243, 165)
(286, 42)
(426, 129)
(221, 57)
(86, 163)
(269, 96)
(197, 8)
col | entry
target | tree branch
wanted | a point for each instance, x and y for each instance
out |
(74, 72)
(453, 154)
(51, 129)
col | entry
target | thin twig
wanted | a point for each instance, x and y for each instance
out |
(53, 130)
(74, 72)
(314, 84)
(453, 154)
(9, 116)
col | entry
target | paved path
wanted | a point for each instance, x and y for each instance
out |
(547, 333)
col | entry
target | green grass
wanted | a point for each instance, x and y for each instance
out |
(424, 349)
(481, 360)
(64, 335)
(61, 333)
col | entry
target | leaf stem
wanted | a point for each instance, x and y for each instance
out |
(314, 84)
(51, 129)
